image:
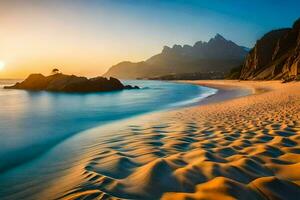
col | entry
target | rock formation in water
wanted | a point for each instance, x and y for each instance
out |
(275, 56)
(69, 83)
(216, 55)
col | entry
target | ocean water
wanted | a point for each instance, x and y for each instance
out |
(31, 123)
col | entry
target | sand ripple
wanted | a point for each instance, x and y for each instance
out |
(247, 148)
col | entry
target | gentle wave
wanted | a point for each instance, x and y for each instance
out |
(196, 100)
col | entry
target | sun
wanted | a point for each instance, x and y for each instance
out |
(2, 65)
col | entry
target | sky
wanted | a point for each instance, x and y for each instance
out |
(86, 37)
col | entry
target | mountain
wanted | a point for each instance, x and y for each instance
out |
(69, 83)
(218, 54)
(275, 56)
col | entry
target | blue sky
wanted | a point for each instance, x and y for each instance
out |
(242, 21)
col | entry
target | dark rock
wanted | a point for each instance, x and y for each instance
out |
(275, 56)
(131, 87)
(234, 73)
(69, 83)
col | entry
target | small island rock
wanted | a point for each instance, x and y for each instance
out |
(69, 83)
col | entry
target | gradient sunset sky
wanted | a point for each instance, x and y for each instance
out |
(86, 37)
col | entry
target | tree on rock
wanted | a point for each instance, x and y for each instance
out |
(55, 71)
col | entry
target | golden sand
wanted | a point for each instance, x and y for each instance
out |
(243, 148)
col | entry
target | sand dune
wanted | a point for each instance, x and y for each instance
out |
(243, 148)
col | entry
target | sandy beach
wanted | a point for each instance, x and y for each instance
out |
(240, 147)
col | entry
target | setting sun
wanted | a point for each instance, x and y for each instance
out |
(2, 65)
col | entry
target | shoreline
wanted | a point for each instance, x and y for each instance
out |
(230, 148)
(226, 90)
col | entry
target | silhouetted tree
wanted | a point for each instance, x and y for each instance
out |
(55, 71)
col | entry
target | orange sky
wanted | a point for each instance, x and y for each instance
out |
(36, 38)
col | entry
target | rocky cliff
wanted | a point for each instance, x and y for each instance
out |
(69, 83)
(275, 56)
(216, 55)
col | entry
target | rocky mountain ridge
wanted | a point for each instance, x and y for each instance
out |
(216, 55)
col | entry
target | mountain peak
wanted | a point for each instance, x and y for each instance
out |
(219, 37)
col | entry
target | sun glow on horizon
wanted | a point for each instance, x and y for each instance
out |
(2, 65)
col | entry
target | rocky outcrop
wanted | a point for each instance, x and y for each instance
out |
(275, 56)
(216, 55)
(69, 83)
